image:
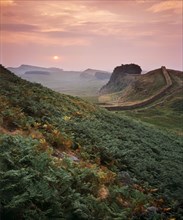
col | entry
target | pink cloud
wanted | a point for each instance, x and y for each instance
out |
(7, 2)
(96, 32)
(173, 5)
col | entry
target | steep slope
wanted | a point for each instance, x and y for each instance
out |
(143, 90)
(61, 157)
(121, 77)
(167, 111)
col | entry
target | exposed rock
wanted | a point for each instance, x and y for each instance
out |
(121, 77)
(152, 209)
(62, 155)
(122, 70)
(73, 158)
(125, 178)
(128, 68)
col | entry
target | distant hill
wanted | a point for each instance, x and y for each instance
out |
(68, 82)
(102, 75)
(25, 68)
(64, 158)
(92, 71)
(37, 72)
(95, 74)
(86, 75)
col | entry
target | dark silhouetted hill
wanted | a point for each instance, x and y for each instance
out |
(121, 77)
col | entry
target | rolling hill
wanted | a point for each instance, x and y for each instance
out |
(25, 68)
(155, 97)
(64, 158)
(144, 89)
(95, 74)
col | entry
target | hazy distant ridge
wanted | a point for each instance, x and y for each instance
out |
(25, 68)
(68, 82)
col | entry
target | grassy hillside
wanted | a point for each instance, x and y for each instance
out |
(64, 158)
(142, 87)
(137, 88)
(145, 86)
(166, 112)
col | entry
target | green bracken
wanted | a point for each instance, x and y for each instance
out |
(64, 158)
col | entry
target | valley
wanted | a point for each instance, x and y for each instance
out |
(76, 83)
(91, 110)
(71, 159)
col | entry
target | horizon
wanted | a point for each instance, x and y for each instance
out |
(82, 70)
(78, 35)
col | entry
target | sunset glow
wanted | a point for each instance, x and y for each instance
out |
(100, 34)
(55, 57)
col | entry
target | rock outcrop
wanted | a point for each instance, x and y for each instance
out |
(121, 77)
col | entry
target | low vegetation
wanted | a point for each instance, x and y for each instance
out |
(64, 158)
(166, 112)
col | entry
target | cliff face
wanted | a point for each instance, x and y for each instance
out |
(121, 77)
(122, 70)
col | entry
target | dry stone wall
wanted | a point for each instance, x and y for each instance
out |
(145, 102)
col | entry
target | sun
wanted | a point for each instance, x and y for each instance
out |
(55, 57)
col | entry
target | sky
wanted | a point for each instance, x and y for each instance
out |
(100, 34)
